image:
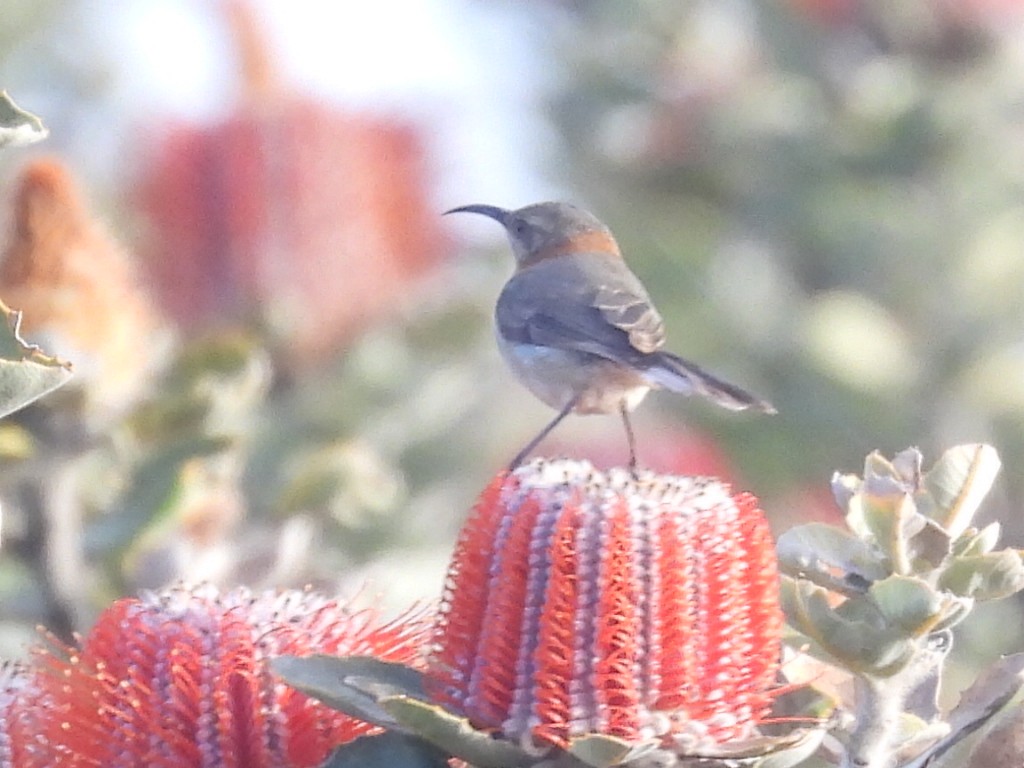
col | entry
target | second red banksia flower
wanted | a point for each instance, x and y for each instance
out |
(584, 602)
(180, 679)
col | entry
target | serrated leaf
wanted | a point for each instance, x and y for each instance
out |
(18, 127)
(454, 734)
(26, 373)
(959, 482)
(984, 577)
(911, 604)
(387, 750)
(602, 751)
(354, 685)
(816, 550)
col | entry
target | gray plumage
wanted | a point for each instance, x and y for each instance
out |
(577, 327)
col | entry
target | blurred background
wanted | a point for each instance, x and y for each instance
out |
(284, 356)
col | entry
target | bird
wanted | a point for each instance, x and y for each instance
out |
(579, 330)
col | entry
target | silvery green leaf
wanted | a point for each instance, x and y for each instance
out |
(816, 551)
(927, 548)
(763, 751)
(907, 464)
(26, 373)
(959, 482)
(350, 684)
(876, 467)
(454, 734)
(974, 542)
(387, 750)
(984, 577)
(18, 127)
(909, 603)
(844, 488)
(854, 633)
(989, 694)
(893, 521)
(601, 751)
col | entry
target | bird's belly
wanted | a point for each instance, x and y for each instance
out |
(557, 375)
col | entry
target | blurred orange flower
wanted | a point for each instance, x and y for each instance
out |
(78, 290)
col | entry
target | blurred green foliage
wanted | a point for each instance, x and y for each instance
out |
(823, 198)
(826, 199)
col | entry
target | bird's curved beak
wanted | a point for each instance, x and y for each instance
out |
(491, 211)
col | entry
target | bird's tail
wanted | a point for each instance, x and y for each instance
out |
(678, 375)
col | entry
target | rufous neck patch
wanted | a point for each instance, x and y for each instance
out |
(588, 241)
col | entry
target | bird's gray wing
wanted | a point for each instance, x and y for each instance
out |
(588, 303)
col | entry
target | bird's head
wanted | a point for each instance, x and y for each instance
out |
(547, 230)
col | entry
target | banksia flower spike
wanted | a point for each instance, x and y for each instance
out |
(582, 602)
(13, 734)
(180, 678)
(600, 617)
(318, 219)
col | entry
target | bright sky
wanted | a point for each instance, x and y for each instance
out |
(470, 71)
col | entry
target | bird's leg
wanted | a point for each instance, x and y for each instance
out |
(544, 432)
(630, 438)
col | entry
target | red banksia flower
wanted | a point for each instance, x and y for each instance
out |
(319, 218)
(586, 602)
(13, 678)
(180, 678)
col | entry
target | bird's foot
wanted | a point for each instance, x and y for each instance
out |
(634, 468)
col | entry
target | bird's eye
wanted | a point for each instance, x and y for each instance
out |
(519, 227)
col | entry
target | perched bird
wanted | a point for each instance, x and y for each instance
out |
(577, 327)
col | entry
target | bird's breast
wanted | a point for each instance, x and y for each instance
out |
(555, 376)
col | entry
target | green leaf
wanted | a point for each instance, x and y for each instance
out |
(893, 521)
(852, 633)
(907, 466)
(929, 547)
(387, 750)
(911, 604)
(601, 751)
(766, 751)
(154, 485)
(454, 734)
(816, 551)
(354, 685)
(876, 466)
(25, 372)
(959, 482)
(978, 704)
(984, 577)
(974, 542)
(18, 127)
(844, 489)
